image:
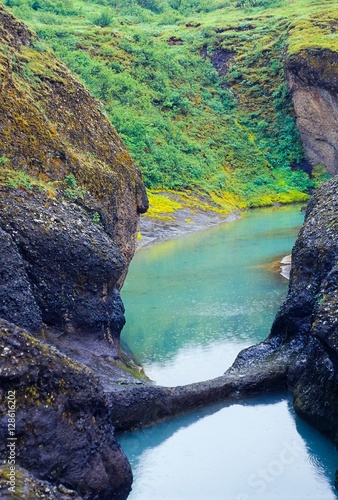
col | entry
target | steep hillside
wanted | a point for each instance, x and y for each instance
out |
(198, 92)
(59, 132)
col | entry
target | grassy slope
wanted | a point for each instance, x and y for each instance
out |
(228, 136)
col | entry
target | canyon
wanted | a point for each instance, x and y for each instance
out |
(70, 198)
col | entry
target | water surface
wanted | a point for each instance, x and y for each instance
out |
(255, 450)
(192, 304)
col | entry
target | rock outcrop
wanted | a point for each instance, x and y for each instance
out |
(312, 77)
(62, 422)
(305, 331)
(310, 313)
(71, 267)
(72, 240)
(70, 198)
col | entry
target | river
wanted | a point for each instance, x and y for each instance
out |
(192, 304)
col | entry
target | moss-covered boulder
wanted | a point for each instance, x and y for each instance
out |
(71, 268)
(62, 421)
(70, 199)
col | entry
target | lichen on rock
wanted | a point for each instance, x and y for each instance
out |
(62, 428)
(70, 199)
(312, 76)
(75, 250)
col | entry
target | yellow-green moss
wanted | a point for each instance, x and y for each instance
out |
(318, 30)
(14, 179)
(161, 204)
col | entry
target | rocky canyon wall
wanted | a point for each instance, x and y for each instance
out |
(69, 203)
(70, 198)
(304, 335)
(312, 77)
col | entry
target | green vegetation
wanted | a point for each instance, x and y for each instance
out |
(196, 89)
(17, 179)
(96, 217)
(73, 192)
(3, 160)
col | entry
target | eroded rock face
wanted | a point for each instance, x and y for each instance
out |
(17, 302)
(63, 426)
(312, 77)
(63, 258)
(72, 253)
(70, 268)
(311, 313)
(305, 331)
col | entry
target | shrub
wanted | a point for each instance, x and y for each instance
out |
(71, 181)
(3, 160)
(105, 19)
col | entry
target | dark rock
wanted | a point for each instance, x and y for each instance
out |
(17, 303)
(27, 487)
(63, 424)
(134, 406)
(71, 266)
(175, 40)
(220, 59)
(315, 272)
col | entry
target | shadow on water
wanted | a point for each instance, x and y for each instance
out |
(150, 437)
(242, 449)
(319, 449)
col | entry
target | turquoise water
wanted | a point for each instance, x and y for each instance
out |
(192, 304)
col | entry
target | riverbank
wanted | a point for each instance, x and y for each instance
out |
(173, 213)
(153, 230)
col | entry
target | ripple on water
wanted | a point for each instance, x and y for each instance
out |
(192, 305)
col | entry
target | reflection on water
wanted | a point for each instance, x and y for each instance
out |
(211, 290)
(237, 452)
(192, 304)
